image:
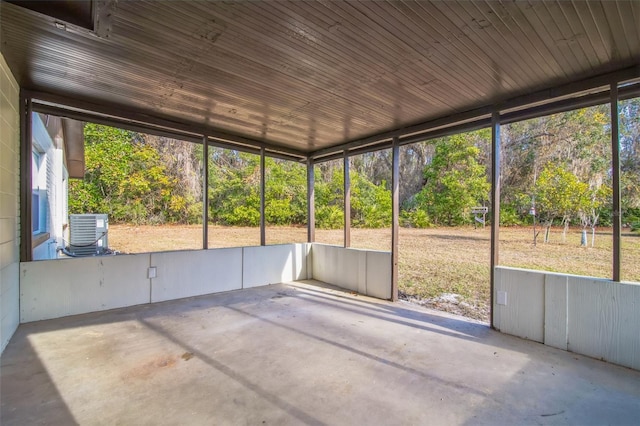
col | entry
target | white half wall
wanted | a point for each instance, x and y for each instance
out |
(604, 320)
(379, 274)
(194, 273)
(523, 314)
(342, 267)
(58, 288)
(556, 313)
(264, 265)
(9, 204)
(594, 317)
(367, 272)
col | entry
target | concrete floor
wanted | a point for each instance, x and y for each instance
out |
(298, 354)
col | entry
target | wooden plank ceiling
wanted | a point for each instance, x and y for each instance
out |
(311, 75)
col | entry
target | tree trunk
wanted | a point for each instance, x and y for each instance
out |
(547, 231)
(593, 236)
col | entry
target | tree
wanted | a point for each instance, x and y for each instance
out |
(579, 140)
(234, 188)
(370, 203)
(286, 192)
(591, 205)
(558, 195)
(329, 195)
(454, 181)
(183, 163)
(630, 161)
(124, 178)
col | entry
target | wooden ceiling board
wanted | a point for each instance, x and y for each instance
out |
(593, 33)
(174, 84)
(49, 57)
(618, 37)
(356, 55)
(481, 35)
(312, 75)
(367, 83)
(261, 86)
(530, 49)
(596, 12)
(412, 76)
(356, 91)
(452, 30)
(611, 19)
(581, 26)
(566, 39)
(427, 83)
(544, 39)
(428, 59)
(438, 54)
(274, 116)
(473, 31)
(325, 65)
(629, 13)
(353, 102)
(574, 37)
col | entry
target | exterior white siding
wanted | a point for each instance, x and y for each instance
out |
(9, 204)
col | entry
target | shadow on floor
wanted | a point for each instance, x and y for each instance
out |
(24, 377)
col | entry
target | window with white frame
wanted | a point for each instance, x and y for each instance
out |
(38, 192)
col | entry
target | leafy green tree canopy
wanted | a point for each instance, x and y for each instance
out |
(454, 181)
(124, 178)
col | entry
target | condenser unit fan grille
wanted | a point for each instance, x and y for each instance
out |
(88, 234)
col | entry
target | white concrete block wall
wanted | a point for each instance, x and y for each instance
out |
(590, 316)
(9, 204)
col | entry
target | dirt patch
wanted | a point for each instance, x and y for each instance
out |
(452, 303)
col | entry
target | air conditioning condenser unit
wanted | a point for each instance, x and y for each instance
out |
(88, 234)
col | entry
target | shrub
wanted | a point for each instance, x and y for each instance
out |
(329, 217)
(415, 219)
(509, 216)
